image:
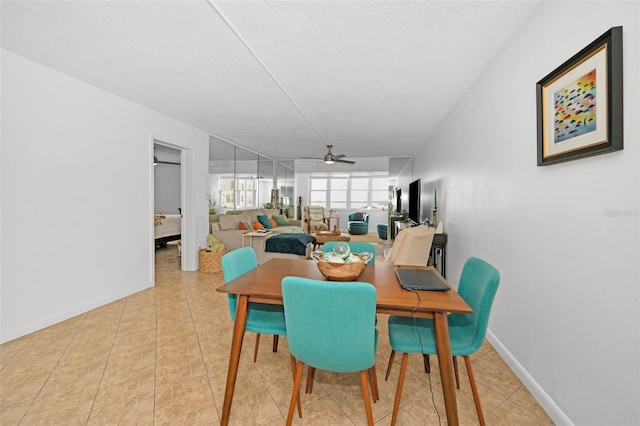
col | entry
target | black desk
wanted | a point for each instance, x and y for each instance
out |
(439, 253)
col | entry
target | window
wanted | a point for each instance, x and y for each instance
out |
(242, 198)
(349, 192)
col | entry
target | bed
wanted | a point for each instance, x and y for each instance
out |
(167, 227)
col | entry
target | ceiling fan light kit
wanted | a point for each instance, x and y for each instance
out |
(329, 158)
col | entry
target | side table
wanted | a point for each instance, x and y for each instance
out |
(337, 219)
(261, 238)
(439, 253)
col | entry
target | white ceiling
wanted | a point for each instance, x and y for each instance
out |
(282, 78)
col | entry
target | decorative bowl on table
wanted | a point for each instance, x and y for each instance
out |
(340, 270)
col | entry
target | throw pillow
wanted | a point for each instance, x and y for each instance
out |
(281, 219)
(264, 220)
(211, 240)
(257, 225)
(246, 226)
(273, 223)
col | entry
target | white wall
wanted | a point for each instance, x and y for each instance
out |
(77, 203)
(564, 237)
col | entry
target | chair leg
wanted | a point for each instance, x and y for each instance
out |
(293, 372)
(255, 349)
(275, 342)
(365, 394)
(455, 370)
(295, 395)
(427, 363)
(393, 354)
(373, 379)
(311, 375)
(474, 390)
(396, 402)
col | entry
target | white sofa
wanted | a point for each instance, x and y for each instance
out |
(227, 226)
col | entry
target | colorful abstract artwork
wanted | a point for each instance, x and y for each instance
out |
(579, 104)
(575, 108)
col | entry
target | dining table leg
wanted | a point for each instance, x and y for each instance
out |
(443, 346)
(242, 307)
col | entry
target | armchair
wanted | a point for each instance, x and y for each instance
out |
(315, 219)
(358, 223)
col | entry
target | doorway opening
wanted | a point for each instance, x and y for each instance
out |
(167, 201)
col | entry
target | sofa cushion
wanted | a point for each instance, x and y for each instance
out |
(273, 223)
(270, 212)
(252, 215)
(230, 222)
(287, 230)
(280, 219)
(257, 225)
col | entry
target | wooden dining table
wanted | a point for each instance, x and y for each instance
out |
(263, 284)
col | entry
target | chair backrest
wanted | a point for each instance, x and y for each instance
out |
(314, 219)
(235, 263)
(330, 326)
(314, 212)
(411, 246)
(479, 282)
(363, 217)
(355, 246)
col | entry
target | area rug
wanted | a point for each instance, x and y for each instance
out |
(371, 237)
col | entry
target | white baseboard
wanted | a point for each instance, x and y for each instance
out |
(25, 329)
(545, 401)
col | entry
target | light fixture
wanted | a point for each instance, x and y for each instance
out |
(155, 160)
(329, 159)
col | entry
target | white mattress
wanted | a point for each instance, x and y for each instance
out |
(168, 225)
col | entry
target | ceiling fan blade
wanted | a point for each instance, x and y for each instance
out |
(338, 160)
(167, 162)
(311, 158)
(339, 156)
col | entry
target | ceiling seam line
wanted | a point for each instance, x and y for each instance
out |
(230, 142)
(264, 66)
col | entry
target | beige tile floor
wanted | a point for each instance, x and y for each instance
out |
(160, 357)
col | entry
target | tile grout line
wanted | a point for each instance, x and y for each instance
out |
(53, 369)
(107, 362)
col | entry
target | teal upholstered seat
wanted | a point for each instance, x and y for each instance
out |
(358, 223)
(382, 230)
(355, 246)
(478, 285)
(262, 318)
(330, 326)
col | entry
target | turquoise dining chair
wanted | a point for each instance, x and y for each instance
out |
(478, 285)
(355, 246)
(262, 318)
(330, 326)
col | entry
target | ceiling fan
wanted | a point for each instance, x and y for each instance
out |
(330, 158)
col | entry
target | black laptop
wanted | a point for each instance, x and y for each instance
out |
(420, 279)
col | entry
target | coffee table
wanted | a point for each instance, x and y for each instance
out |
(326, 236)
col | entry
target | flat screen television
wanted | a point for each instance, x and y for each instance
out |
(414, 200)
(398, 200)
